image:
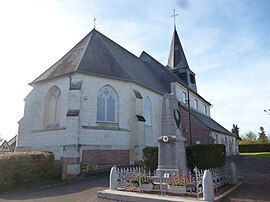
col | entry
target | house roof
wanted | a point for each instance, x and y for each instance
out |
(12, 140)
(7, 147)
(98, 55)
(208, 121)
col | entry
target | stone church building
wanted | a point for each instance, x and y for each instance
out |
(100, 105)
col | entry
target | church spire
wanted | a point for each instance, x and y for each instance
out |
(177, 61)
(177, 58)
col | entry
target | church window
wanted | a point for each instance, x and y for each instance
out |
(147, 111)
(195, 104)
(52, 107)
(107, 104)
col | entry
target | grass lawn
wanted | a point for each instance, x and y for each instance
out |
(257, 154)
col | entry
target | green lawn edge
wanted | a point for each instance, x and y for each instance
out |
(257, 154)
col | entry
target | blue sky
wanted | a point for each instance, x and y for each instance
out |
(226, 42)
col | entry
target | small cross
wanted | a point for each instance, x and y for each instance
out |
(94, 23)
(174, 15)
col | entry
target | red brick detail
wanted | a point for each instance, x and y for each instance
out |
(199, 132)
(105, 158)
(69, 161)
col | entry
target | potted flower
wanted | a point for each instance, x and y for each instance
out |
(142, 181)
(177, 184)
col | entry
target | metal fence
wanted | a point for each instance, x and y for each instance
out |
(137, 179)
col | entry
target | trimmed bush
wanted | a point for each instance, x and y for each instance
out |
(150, 158)
(249, 148)
(25, 168)
(205, 156)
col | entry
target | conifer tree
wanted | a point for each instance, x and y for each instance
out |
(235, 131)
(263, 139)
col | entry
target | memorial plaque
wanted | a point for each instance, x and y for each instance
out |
(73, 169)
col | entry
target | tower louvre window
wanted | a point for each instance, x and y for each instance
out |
(183, 76)
(192, 78)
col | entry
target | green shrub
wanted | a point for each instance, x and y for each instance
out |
(249, 148)
(205, 156)
(25, 168)
(150, 158)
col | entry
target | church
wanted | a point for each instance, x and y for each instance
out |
(100, 105)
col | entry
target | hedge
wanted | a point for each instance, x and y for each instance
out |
(249, 148)
(203, 156)
(24, 168)
(150, 158)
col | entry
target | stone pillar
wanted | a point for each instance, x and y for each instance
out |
(113, 179)
(172, 152)
(208, 186)
(71, 162)
(233, 173)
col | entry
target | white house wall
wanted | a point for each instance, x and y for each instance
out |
(178, 89)
(228, 140)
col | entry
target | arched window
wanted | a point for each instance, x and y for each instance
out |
(52, 107)
(147, 111)
(107, 104)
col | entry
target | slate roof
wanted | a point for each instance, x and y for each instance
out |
(98, 55)
(165, 75)
(177, 58)
(208, 122)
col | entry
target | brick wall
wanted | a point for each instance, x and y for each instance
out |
(69, 161)
(199, 132)
(105, 158)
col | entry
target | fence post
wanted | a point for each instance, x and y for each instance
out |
(233, 173)
(113, 178)
(208, 187)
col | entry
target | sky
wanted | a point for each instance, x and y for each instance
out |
(226, 42)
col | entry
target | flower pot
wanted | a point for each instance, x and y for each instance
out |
(146, 187)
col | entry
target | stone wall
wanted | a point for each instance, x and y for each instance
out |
(83, 129)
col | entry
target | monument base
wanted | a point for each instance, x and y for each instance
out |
(165, 172)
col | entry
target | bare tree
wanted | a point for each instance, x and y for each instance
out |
(249, 138)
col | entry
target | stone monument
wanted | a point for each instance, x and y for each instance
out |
(171, 152)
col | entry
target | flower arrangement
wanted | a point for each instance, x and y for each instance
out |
(139, 177)
(179, 180)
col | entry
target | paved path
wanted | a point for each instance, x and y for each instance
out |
(254, 173)
(78, 191)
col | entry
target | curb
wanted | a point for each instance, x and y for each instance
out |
(142, 197)
(145, 197)
(220, 197)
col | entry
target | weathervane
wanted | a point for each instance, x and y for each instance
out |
(174, 15)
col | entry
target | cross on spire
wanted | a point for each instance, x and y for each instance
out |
(94, 23)
(174, 15)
